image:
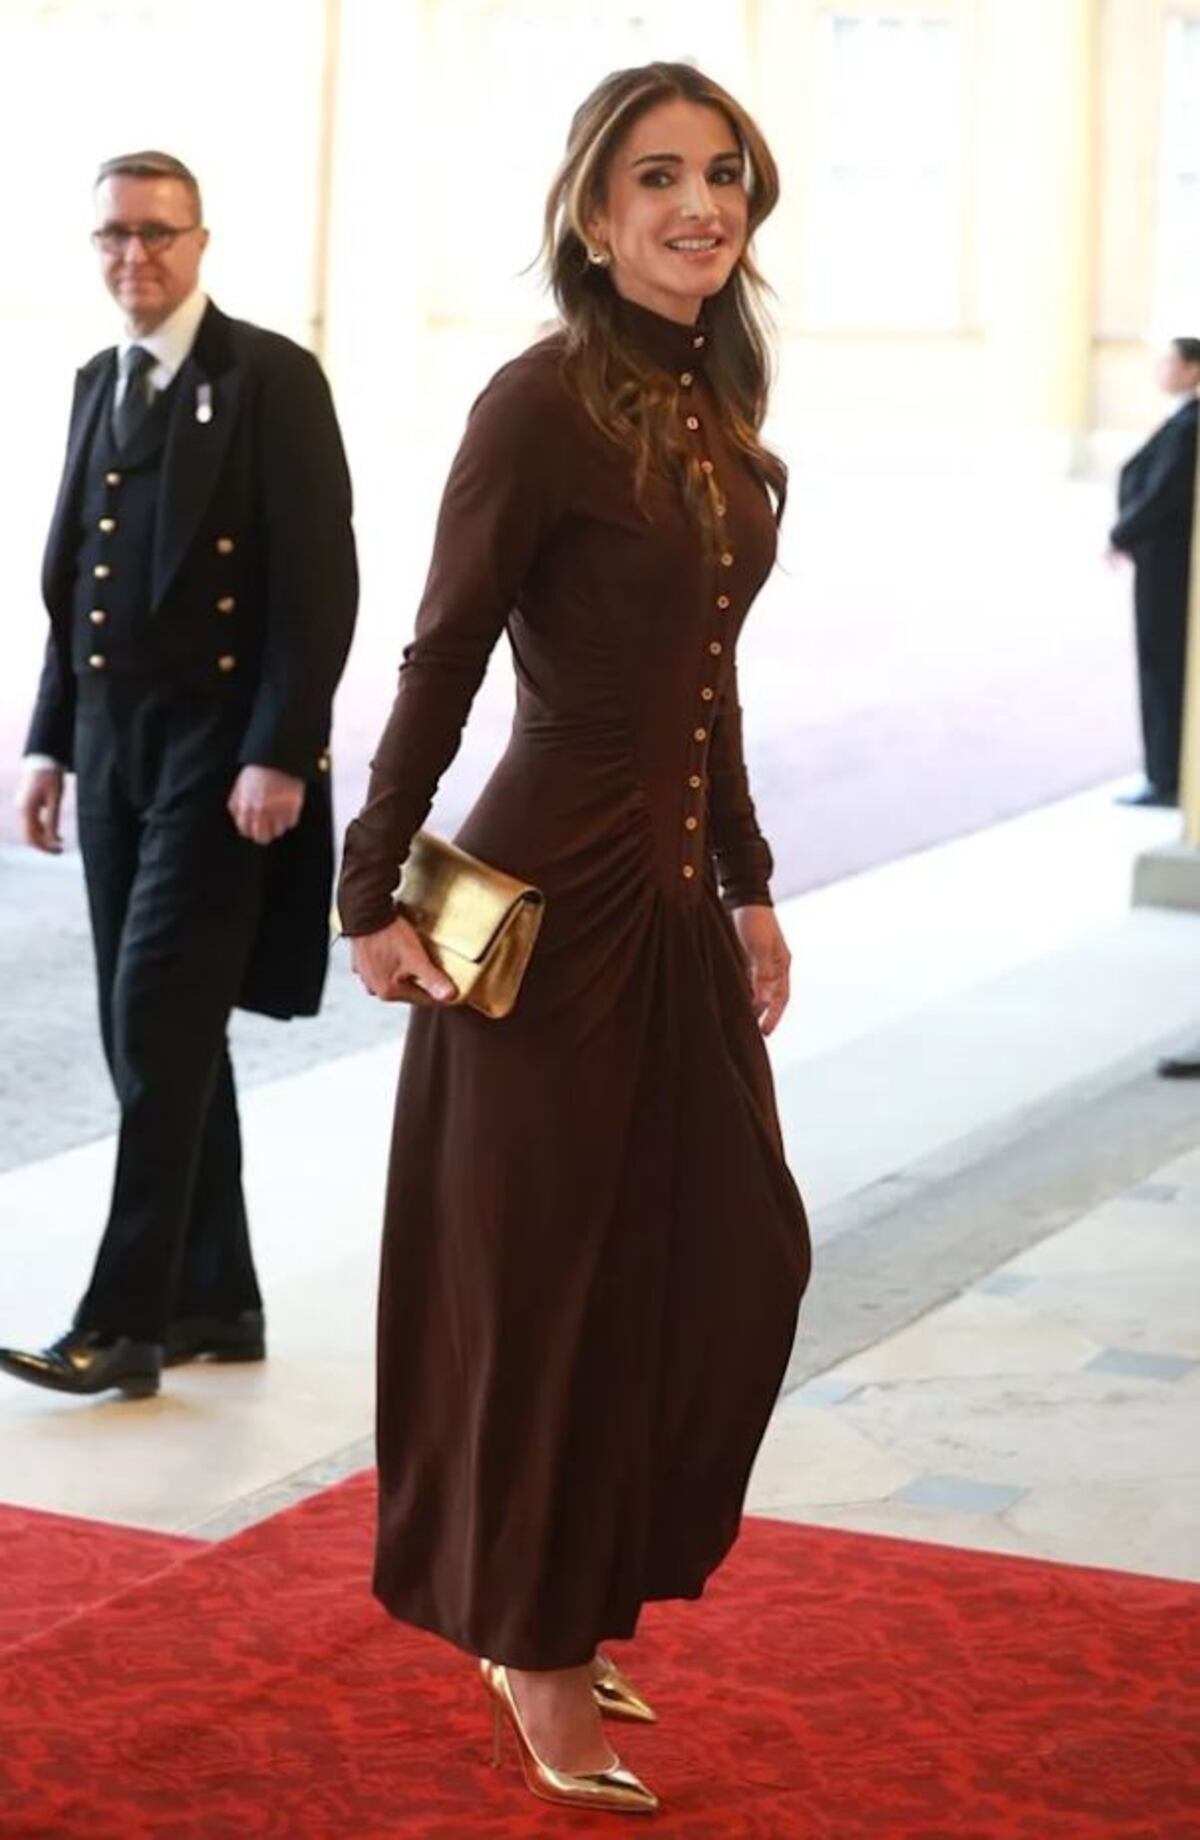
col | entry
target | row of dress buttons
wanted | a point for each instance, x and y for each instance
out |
(715, 647)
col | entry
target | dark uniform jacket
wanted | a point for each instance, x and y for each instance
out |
(1156, 505)
(253, 583)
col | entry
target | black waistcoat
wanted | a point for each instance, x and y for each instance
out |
(118, 512)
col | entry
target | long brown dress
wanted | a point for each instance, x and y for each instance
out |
(593, 1252)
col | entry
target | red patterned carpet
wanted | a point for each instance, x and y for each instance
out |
(830, 1686)
(53, 1568)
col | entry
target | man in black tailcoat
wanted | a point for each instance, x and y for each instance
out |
(1156, 507)
(201, 581)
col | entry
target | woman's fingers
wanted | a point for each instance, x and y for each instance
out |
(767, 959)
(772, 987)
(393, 959)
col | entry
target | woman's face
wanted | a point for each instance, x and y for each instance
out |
(1175, 375)
(674, 220)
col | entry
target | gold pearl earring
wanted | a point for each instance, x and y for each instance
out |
(599, 258)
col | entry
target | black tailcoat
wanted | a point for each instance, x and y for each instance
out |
(1156, 507)
(253, 560)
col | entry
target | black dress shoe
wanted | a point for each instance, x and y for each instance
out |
(216, 1338)
(86, 1361)
(1147, 795)
(1181, 1066)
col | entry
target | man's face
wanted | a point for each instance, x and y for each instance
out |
(148, 282)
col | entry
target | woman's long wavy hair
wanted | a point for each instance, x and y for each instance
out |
(635, 403)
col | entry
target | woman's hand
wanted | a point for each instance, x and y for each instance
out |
(767, 960)
(389, 960)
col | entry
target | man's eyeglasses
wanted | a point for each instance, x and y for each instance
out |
(114, 239)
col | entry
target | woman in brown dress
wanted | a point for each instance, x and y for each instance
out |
(593, 1253)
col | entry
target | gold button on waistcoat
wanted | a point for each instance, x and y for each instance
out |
(695, 781)
(108, 525)
(97, 616)
(727, 559)
(722, 601)
(698, 342)
(690, 824)
(112, 479)
(226, 604)
(707, 694)
(101, 571)
(715, 647)
(687, 380)
(226, 662)
(688, 872)
(323, 762)
(699, 734)
(97, 661)
(225, 546)
(693, 422)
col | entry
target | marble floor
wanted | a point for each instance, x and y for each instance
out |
(944, 1006)
(1050, 1409)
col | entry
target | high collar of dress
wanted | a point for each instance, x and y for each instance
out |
(664, 341)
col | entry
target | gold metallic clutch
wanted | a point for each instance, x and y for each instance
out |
(476, 923)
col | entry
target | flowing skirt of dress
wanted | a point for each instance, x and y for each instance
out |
(593, 1259)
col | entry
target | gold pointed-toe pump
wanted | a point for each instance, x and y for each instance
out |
(615, 1789)
(616, 1695)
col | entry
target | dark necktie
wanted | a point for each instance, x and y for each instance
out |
(134, 405)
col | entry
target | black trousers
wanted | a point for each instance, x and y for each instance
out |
(175, 896)
(1161, 614)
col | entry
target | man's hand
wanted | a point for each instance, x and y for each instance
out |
(768, 962)
(265, 803)
(1116, 558)
(39, 801)
(393, 959)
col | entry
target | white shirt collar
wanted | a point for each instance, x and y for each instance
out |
(171, 343)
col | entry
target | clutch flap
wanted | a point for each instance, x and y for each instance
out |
(459, 902)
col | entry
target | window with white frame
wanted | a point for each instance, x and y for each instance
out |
(885, 245)
(1177, 266)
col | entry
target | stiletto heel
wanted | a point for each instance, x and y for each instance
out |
(615, 1789)
(616, 1695)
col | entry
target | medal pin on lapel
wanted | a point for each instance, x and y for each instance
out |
(204, 406)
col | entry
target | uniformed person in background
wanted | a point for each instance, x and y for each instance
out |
(201, 582)
(1156, 506)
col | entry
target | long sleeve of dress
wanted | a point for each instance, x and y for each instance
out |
(1165, 491)
(743, 856)
(501, 500)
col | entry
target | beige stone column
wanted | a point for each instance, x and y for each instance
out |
(1189, 779)
(1169, 876)
(1038, 83)
(372, 244)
